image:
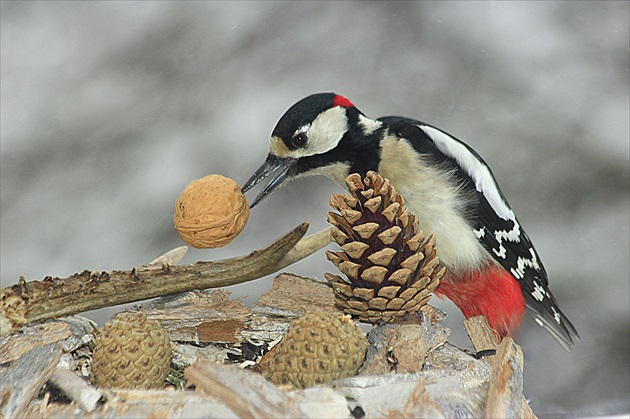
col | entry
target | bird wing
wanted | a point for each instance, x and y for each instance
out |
(494, 222)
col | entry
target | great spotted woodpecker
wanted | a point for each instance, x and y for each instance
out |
(492, 266)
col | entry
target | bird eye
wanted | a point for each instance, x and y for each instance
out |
(298, 141)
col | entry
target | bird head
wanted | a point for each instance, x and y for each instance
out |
(306, 140)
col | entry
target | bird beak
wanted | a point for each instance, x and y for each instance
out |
(280, 165)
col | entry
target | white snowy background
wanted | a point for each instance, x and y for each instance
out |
(109, 109)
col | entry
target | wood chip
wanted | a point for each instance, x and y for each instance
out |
(505, 391)
(76, 389)
(20, 383)
(481, 334)
(14, 346)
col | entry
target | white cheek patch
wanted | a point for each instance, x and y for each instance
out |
(325, 132)
(479, 172)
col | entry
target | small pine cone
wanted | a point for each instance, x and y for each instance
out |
(132, 352)
(391, 268)
(318, 348)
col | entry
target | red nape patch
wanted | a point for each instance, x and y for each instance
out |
(492, 292)
(342, 101)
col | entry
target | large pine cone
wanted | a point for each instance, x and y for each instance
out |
(132, 352)
(391, 268)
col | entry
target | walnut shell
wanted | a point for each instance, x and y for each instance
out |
(211, 212)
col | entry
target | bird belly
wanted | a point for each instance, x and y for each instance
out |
(436, 204)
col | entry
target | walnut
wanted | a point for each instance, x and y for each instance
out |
(211, 212)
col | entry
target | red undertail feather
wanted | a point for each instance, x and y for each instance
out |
(492, 292)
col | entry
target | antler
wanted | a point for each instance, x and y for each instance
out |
(27, 302)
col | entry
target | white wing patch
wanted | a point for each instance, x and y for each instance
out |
(480, 233)
(539, 292)
(479, 172)
(513, 235)
(524, 263)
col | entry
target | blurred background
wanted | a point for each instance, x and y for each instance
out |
(109, 109)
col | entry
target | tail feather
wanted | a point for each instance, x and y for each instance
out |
(559, 326)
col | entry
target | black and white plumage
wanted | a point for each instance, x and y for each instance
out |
(492, 266)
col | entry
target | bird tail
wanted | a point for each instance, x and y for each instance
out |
(555, 322)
